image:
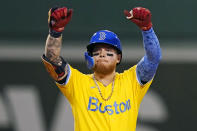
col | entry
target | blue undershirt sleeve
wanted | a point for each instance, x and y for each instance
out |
(147, 66)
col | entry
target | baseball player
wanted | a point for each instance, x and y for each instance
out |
(104, 100)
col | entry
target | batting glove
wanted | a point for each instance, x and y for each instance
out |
(140, 16)
(58, 18)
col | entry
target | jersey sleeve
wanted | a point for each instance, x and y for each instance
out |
(138, 90)
(69, 87)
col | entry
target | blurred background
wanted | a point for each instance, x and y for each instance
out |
(29, 99)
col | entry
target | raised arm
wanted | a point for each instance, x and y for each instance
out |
(147, 67)
(54, 63)
(53, 48)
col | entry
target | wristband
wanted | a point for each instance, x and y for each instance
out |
(54, 33)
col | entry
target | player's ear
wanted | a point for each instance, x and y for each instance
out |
(118, 58)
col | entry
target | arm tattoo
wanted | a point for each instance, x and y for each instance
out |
(52, 49)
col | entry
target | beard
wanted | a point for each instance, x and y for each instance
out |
(103, 68)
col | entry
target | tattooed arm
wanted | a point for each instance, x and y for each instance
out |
(58, 19)
(54, 63)
(53, 48)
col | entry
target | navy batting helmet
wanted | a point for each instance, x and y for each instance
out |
(107, 37)
(102, 36)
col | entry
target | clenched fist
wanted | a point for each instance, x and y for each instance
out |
(58, 19)
(140, 16)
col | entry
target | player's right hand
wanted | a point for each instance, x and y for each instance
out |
(140, 16)
(58, 18)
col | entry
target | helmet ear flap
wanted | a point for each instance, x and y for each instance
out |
(89, 60)
(89, 53)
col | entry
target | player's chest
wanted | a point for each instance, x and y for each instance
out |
(114, 91)
(113, 99)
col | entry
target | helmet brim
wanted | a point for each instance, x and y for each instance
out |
(91, 46)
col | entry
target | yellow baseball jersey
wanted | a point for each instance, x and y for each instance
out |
(92, 113)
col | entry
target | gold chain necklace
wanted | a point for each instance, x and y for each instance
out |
(105, 99)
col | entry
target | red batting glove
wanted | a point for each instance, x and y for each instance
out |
(58, 19)
(140, 16)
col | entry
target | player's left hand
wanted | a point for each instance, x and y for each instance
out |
(140, 16)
